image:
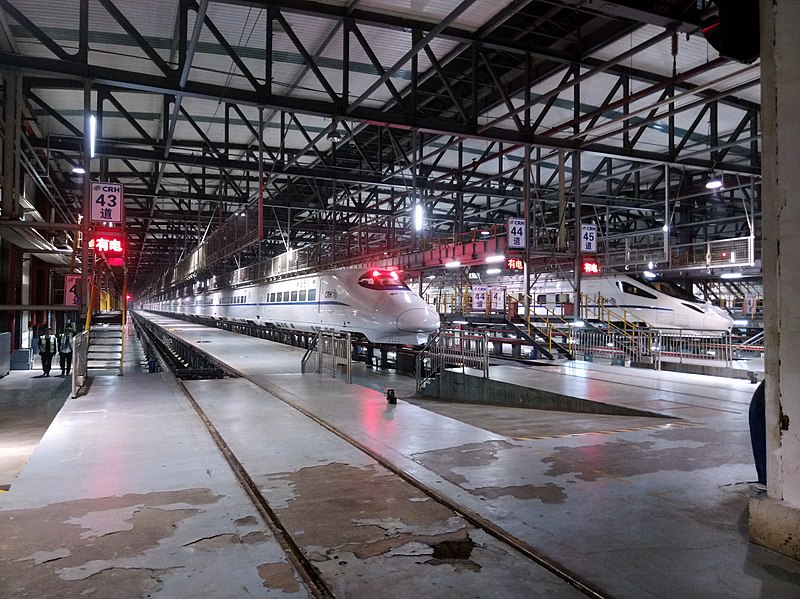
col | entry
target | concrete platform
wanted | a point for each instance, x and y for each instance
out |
(642, 507)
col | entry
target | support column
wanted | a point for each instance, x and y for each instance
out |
(775, 519)
(12, 117)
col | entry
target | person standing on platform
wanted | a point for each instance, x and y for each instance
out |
(47, 348)
(65, 342)
(758, 432)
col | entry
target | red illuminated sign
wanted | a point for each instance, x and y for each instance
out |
(110, 247)
(515, 264)
(101, 244)
(590, 266)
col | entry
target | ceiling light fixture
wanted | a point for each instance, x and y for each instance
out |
(92, 134)
(333, 135)
(78, 170)
(714, 182)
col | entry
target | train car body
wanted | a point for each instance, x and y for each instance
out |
(657, 303)
(373, 303)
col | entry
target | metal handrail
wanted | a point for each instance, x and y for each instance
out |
(80, 356)
(453, 346)
(309, 352)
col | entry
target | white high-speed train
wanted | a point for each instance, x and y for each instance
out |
(373, 303)
(655, 302)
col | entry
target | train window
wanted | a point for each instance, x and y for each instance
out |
(381, 279)
(541, 298)
(272, 297)
(634, 290)
(312, 295)
(286, 296)
(294, 296)
(671, 289)
(302, 296)
(691, 307)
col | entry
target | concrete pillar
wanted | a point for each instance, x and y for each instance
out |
(12, 118)
(775, 519)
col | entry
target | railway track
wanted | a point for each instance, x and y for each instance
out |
(457, 546)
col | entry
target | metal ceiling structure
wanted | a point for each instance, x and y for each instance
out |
(257, 127)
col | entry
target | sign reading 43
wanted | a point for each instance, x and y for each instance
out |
(107, 202)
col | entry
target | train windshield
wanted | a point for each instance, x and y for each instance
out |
(383, 280)
(669, 288)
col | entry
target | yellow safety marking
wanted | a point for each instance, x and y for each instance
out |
(608, 432)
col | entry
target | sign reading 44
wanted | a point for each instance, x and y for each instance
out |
(517, 234)
(106, 202)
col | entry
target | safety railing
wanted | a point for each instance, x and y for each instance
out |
(650, 346)
(697, 347)
(80, 359)
(598, 308)
(637, 347)
(334, 353)
(452, 348)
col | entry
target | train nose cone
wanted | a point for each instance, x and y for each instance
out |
(418, 320)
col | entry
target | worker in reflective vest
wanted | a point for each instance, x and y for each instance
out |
(65, 343)
(47, 348)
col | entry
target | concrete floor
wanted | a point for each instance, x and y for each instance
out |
(28, 404)
(642, 507)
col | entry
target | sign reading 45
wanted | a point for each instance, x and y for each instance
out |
(106, 202)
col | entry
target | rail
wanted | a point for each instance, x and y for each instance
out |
(310, 351)
(182, 359)
(452, 348)
(653, 347)
(697, 347)
(597, 308)
(642, 347)
(334, 353)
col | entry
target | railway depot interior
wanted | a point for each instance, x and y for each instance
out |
(529, 224)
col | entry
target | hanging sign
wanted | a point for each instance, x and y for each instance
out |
(479, 298)
(72, 290)
(106, 202)
(589, 238)
(516, 234)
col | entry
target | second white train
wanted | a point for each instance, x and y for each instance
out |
(653, 302)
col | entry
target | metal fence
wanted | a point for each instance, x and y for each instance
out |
(655, 347)
(333, 353)
(453, 348)
(639, 347)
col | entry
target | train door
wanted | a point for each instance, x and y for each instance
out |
(329, 291)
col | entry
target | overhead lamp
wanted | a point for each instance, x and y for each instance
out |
(649, 274)
(495, 258)
(493, 271)
(740, 323)
(92, 133)
(418, 216)
(731, 275)
(485, 232)
(78, 170)
(714, 182)
(452, 264)
(333, 135)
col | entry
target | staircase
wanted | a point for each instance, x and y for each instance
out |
(105, 344)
